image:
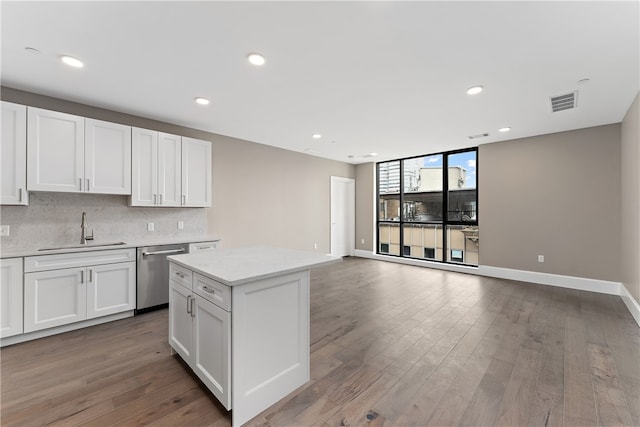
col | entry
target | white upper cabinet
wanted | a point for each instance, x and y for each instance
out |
(13, 155)
(169, 169)
(107, 151)
(196, 172)
(72, 154)
(156, 175)
(55, 151)
(144, 176)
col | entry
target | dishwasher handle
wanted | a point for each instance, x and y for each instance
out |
(170, 251)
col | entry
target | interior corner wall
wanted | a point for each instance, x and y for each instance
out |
(556, 195)
(630, 176)
(264, 195)
(365, 210)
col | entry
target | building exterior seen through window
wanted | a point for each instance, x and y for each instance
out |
(428, 207)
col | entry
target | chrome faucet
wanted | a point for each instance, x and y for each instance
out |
(84, 237)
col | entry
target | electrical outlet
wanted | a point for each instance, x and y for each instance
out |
(150, 226)
(180, 225)
(540, 258)
(4, 230)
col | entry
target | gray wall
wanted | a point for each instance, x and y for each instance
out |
(631, 200)
(261, 194)
(557, 195)
(266, 195)
(365, 208)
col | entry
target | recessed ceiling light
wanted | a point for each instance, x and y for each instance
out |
(505, 129)
(202, 101)
(316, 136)
(256, 59)
(474, 90)
(71, 61)
(373, 154)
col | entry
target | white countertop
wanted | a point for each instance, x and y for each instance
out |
(16, 252)
(243, 265)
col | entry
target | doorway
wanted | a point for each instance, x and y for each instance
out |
(343, 216)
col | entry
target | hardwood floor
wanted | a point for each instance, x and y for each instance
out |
(391, 345)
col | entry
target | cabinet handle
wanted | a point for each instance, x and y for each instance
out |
(193, 314)
(90, 276)
(189, 304)
(154, 199)
(80, 179)
(208, 289)
(81, 276)
(20, 194)
(204, 247)
(160, 197)
(184, 199)
(88, 189)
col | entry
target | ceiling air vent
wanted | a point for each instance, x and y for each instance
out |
(564, 102)
(480, 135)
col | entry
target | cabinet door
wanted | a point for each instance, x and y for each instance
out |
(196, 172)
(107, 165)
(144, 173)
(212, 352)
(10, 297)
(55, 151)
(54, 298)
(13, 155)
(111, 288)
(169, 170)
(180, 322)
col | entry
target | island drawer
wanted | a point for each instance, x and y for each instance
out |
(180, 274)
(213, 291)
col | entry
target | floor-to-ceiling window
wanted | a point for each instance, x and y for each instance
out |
(428, 207)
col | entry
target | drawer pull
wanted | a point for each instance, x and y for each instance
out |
(189, 304)
(208, 289)
(204, 247)
(180, 275)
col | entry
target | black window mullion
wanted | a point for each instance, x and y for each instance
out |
(401, 219)
(445, 205)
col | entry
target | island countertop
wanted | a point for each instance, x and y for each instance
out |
(242, 265)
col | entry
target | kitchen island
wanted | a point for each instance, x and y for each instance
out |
(240, 319)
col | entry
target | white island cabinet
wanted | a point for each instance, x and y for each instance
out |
(240, 319)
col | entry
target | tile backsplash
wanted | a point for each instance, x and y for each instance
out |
(54, 219)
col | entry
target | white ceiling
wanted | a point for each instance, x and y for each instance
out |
(384, 77)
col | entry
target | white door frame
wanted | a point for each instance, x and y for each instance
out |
(343, 205)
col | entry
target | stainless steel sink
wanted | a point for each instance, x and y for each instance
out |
(89, 245)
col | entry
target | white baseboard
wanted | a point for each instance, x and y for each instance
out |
(570, 282)
(631, 303)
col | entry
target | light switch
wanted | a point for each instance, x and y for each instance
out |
(150, 226)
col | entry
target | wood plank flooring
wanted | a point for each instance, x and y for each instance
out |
(391, 345)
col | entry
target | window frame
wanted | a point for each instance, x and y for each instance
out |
(444, 223)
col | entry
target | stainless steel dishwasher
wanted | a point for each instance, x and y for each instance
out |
(153, 275)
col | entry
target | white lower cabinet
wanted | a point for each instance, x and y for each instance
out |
(200, 332)
(93, 285)
(111, 289)
(54, 298)
(11, 297)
